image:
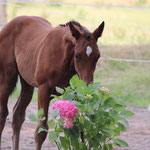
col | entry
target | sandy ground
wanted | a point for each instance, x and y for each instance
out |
(137, 135)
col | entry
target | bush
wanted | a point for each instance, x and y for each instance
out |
(99, 119)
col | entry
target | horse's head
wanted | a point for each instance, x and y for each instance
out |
(86, 52)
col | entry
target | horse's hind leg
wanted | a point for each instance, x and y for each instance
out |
(19, 111)
(8, 80)
(3, 110)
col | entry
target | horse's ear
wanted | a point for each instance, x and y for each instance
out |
(98, 32)
(74, 31)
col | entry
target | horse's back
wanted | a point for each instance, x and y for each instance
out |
(25, 29)
(30, 32)
(21, 22)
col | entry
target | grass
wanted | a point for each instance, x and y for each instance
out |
(130, 80)
(122, 26)
(16, 93)
(133, 83)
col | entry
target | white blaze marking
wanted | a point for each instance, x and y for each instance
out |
(88, 51)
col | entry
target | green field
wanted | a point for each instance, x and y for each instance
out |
(131, 80)
(123, 27)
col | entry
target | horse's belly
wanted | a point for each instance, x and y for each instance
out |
(26, 58)
(27, 73)
(26, 66)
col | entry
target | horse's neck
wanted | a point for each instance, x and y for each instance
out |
(69, 60)
(68, 49)
(63, 47)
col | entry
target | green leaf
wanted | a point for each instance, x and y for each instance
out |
(93, 87)
(106, 132)
(109, 146)
(40, 113)
(69, 94)
(93, 132)
(74, 143)
(74, 132)
(99, 137)
(124, 121)
(80, 95)
(55, 114)
(104, 147)
(51, 123)
(42, 119)
(53, 135)
(73, 81)
(69, 97)
(64, 142)
(87, 125)
(33, 118)
(114, 113)
(52, 95)
(78, 84)
(77, 103)
(120, 143)
(41, 130)
(126, 113)
(95, 141)
(88, 107)
(82, 146)
(116, 131)
(97, 148)
(109, 102)
(122, 127)
(59, 127)
(81, 87)
(59, 90)
(118, 106)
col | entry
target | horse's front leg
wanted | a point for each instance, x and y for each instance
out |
(43, 102)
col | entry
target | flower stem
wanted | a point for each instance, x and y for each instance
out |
(57, 144)
(69, 144)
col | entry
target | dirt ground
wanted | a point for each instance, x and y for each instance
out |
(137, 135)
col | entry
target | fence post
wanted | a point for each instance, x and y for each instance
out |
(3, 13)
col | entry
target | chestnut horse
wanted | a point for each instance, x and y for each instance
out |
(44, 57)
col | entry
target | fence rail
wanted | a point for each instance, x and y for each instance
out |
(81, 4)
(21, 2)
(126, 60)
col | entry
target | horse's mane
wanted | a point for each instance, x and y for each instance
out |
(86, 32)
(73, 22)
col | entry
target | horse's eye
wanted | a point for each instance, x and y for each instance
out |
(77, 57)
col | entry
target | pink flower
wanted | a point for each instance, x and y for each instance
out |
(100, 87)
(68, 123)
(103, 89)
(67, 111)
(108, 90)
